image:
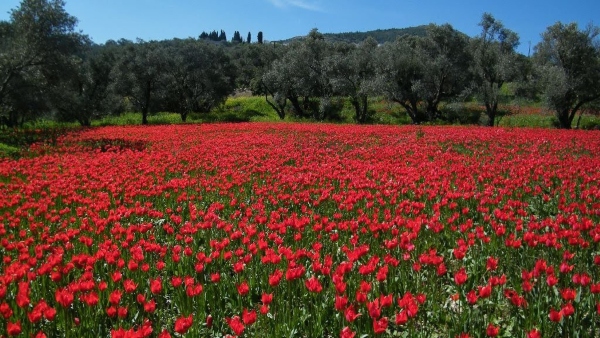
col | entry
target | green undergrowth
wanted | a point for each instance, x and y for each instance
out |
(256, 109)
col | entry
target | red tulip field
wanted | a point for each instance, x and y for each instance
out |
(302, 230)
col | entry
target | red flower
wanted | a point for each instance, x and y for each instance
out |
(350, 314)
(164, 334)
(555, 316)
(460, 277)
(176, 281)
(129, 285)
(111, 311)
(347, 333)
(116, 276)
(551, 280)
(34, 316)
(472, 297)
(379, 326)
(382, 273)
(313, 285)
(441, 269)
(122, 312)
(150, 306)
(248, 317)
(23, 295)
(275, 277)
(341, 302)
(156, 285)
(64, 297)
(485, 291)
(243, 288)
(50, 313)
(13, 329)
(115, 297)
(236, 325)
(492, 263)
(183, 324)
(266, 298)
(567, 310)
(401, 318)
(492, 330)
(534, 333)
(388, 300)
(374, 309)
(568, 294)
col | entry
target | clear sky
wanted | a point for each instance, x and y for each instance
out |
(280, 19)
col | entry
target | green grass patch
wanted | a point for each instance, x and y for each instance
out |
(132, 118)
(587, 122)
(256, 109)
(9, 151)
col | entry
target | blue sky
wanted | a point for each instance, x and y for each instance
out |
(280, 19)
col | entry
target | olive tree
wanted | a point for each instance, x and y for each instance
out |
(568, 61)
(83, 92)
(398, 69)
(494, 62)
(299, 76)
(445, 57)
(198, 77)
(140, 74)
(419, 72)
(36, 45)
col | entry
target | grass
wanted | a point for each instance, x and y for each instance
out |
(9, 151)
(256, 109)
(546, 121)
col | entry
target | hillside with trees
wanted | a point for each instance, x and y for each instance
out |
(381, 36)
(49, 70)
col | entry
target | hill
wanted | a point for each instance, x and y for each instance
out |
(381, 35)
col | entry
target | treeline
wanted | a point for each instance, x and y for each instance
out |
(48, 69)
(237, 37)
(380, 35)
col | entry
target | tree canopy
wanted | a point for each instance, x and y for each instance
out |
(47, 68)
(36, 45)
(568, 60)
(495, 62)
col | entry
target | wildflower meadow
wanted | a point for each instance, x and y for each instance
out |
(302, 230)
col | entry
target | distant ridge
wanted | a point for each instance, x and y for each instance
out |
(381, 35)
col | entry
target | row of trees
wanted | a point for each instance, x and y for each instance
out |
(237, 37)
(420, 72)
(214, 36)
(46, 66)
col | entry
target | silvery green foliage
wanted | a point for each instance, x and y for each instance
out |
(568, 65)
(445, 56)
(350, 70)
(495, 62)
(419, 72)
(398, 72)
(140, 74)
(36, 45)
(198, 75)
(299, 76)
(83, 92)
